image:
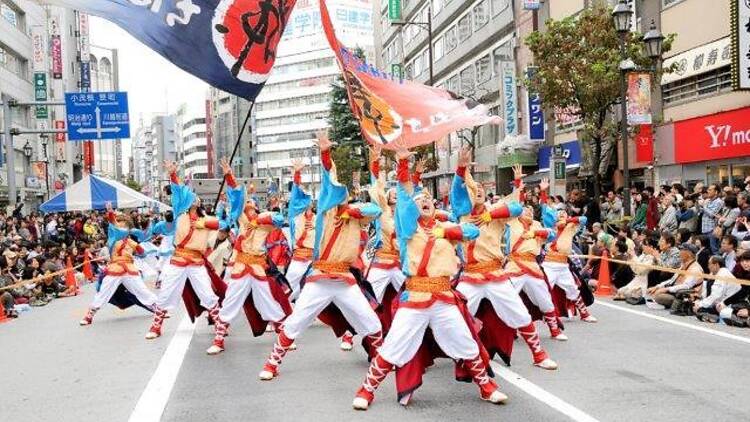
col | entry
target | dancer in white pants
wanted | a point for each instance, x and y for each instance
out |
(246, 271)
(121, 268)
(338, 227)
(188, 261)
(429, 248)
(483, 276)
(301, 230)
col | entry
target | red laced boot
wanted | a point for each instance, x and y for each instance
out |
(554, 329)
(374, 341)
(488, 389)
(531, 337)
(89, 318)
(155, 330)
(220, 331)
(347, 342)
(584, 311)
(280, 349)
(379, 369)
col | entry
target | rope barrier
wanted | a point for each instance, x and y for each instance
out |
(46, 276)
(669, 270)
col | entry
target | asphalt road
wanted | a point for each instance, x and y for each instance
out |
(629, 367)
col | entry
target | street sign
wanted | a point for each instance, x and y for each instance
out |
(394, 10)
(560, 170)
(97, 115)
(40, 94)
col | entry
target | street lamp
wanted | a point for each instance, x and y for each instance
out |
(28, 150)
(653, 42)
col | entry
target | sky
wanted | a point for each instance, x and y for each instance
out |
(154, 85)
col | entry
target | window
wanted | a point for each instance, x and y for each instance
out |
(438, 49)
(499, 6)
(453, 83)
(196, 135)
(703, 85)
(13, 63)
(418, 65)
(11, 15)
(437, 6)
(287, 137)
(464, 27)
(484, 71)
(467, 81)
(451, 41)
(481, 14)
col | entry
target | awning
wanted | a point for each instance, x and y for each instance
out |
(93, 193)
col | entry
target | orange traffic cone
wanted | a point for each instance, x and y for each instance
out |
(88, 272)
(604, 286)
(3, 317)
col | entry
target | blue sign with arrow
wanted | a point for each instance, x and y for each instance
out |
(97, 115)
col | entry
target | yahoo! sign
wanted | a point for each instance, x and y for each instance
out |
(721, 135)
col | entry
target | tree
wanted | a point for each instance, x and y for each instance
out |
(349, 154)
(578, 61)
(132, 184)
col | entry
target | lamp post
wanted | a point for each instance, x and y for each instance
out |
(653, 41)
(44, 139)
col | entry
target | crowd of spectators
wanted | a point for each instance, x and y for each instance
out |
(35, 247)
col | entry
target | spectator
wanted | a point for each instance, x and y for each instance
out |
(668, 221)
(667, 255)
(714, 292)
(729, 214)
(728, 251)
(711, 207)
(665, 292)
(639, 214)
(635, 289)
(652, 211)
(734, 309)
(704, 252)
(688, 215)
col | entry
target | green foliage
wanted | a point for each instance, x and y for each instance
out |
(345, 131)
(132, 184)
(578, 61)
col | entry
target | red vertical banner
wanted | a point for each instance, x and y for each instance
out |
(644, 144)
(88, 156)
(60, 140)
(209, 140)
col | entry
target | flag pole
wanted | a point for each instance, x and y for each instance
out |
(236, 147)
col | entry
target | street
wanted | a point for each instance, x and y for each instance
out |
(635, 364)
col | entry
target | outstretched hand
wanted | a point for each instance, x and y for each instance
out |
(544, 184)
(225, 166)
(323, 141)
(170, 166)
(518, 172)
(401, 150)
(298, 164)
(464, 157)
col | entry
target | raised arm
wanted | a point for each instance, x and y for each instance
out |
(518, 185)
(236, 196)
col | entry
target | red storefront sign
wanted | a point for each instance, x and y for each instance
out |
(721, 135)
(644, 144)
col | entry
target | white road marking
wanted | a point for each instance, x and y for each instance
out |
(542, 395)
(677, 323)
(154, 398)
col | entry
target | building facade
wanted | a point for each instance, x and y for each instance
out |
(228, 113)
(471, 42)
(295, 102)
(103, 68)
(193, 148)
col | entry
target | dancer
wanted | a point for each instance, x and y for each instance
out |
(428, 253)
(166, 230)
(302, 231)
(483, 276)
(121, 269)
(188, 261)
(338, 226)
(556, 265)
(524, 238)
(246, 271)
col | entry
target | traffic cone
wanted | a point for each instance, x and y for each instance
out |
(88, 272)
(3, 317)
(604, 286)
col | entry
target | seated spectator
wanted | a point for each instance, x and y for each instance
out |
(636, 288)
(728, 251)
(734, 309)
(667, 255)
(665, 292)
(740, 230)
(704, 251)
(715, 292)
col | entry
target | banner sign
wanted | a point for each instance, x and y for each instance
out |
(571, 151)
(230, 44)
(644, 144)
(698, 60)
(40, 169)
(394, 10)
(40, 94)
(639, 98)
(83, 31)
(88, 156)
(57, 64)
(721, 135)
(741, 44)
(534, 110)
(531, 4)
(97, 115)
(60, 141)
(39, 49)
(85, 76)
(510, 97)
(388, 109)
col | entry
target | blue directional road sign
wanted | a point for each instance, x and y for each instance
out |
(97, 115)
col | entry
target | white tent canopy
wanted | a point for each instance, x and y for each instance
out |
(93, 192)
